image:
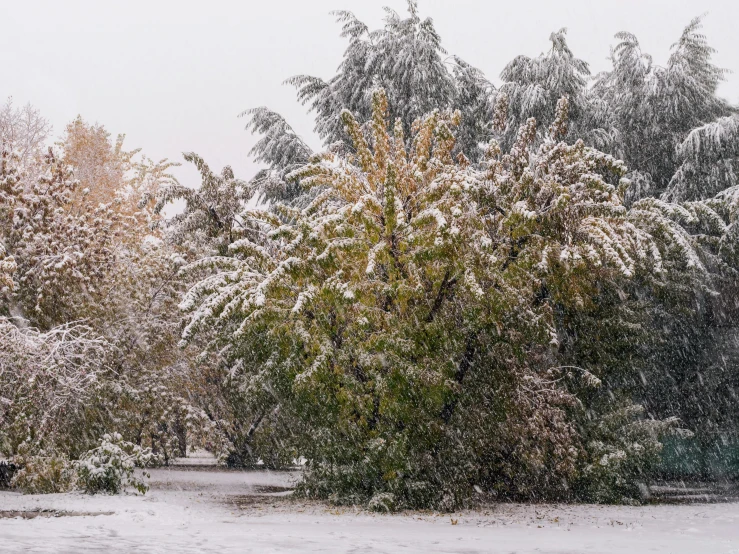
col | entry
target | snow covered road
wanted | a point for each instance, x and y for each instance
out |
(215, 511)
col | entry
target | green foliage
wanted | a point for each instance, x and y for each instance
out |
(407, 316)
(623, 449)
(110, 467)
(44, 473)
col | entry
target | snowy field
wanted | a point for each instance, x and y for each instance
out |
(190, 510)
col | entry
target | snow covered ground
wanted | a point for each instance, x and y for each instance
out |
(223, 511)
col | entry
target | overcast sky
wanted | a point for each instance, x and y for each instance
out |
(174, 75)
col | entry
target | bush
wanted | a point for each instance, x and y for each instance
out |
(623, 451)
(110, 467)
(43, 473)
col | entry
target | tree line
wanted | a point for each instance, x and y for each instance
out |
(526, 291)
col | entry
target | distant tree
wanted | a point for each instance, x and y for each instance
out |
(99, 166)
(532, 87)
(656, 107)
(210, 220)
(406, 58)
(709, 162)
(23, 131)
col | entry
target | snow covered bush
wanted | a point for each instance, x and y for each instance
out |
(7, 269)
(623, 448)
(46, 382)
(43, 473)
(110, 467)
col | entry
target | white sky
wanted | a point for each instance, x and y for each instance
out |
(173, 75)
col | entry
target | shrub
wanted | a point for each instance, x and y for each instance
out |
(43, 473)
(110, 467)
(624, 447)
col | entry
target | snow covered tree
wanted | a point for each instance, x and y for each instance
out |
(693, 330)
(282, 149)
(532, 87)
(93, 255)
(656, 107)
(406, 58)
(709, 162)
(405, 318)
(210, 219)
(474, 99)
(98, 165)
(152, 386)
(108, 174)
(23, 131)
(61, 257)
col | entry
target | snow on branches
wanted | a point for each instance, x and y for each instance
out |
(411, 270)
(45, 380)
(61, 255)
(709, 162)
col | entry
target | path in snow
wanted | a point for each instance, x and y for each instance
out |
(216, 511)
